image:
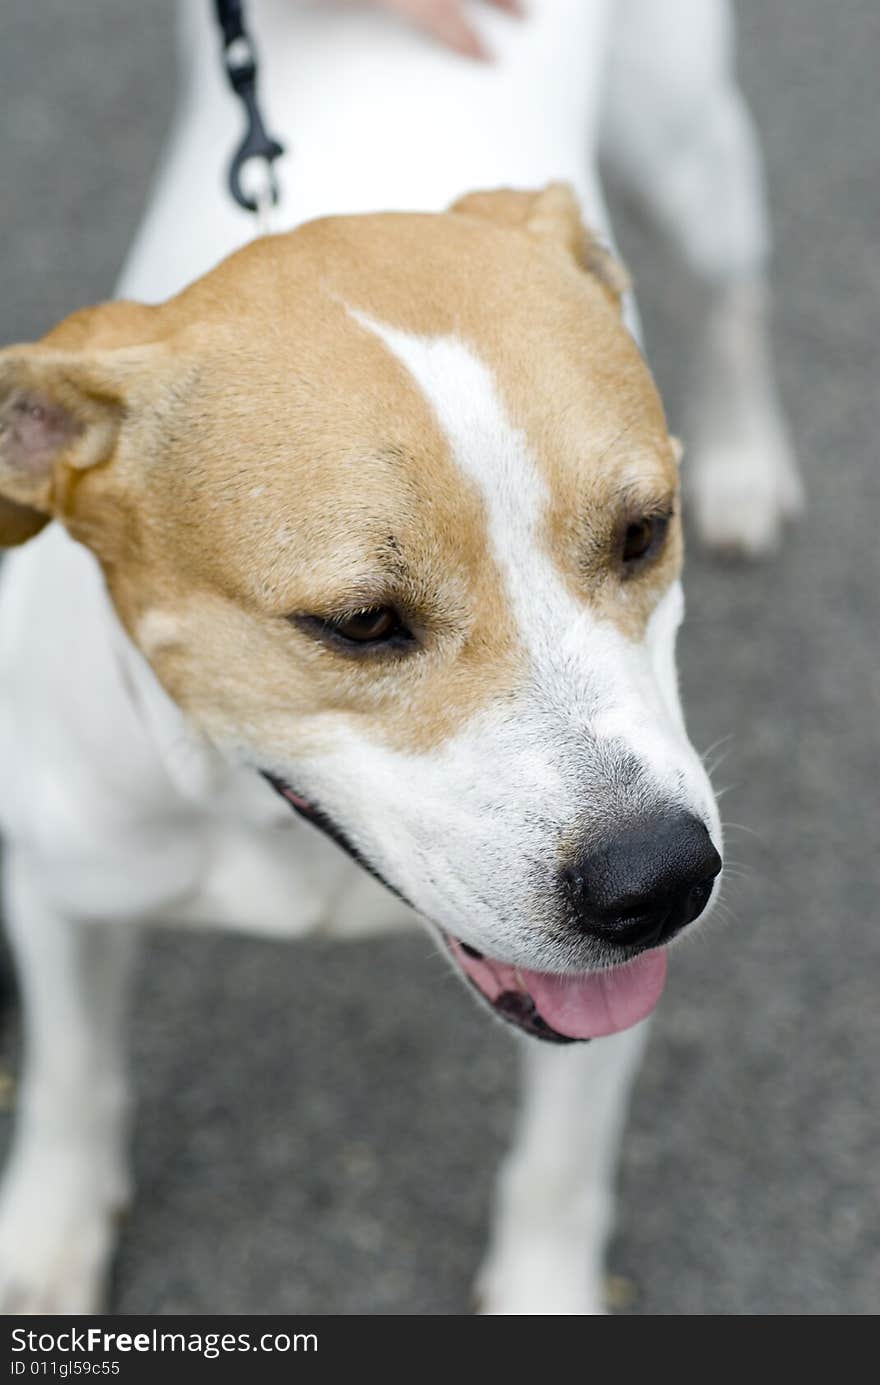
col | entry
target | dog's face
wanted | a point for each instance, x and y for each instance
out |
(390, 507)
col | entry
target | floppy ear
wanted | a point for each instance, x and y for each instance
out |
(552, 216)
(60, 413)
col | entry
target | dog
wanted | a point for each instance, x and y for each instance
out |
(348, 578)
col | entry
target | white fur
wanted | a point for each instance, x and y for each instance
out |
(680, 138)
(554, 1198)
(375, 118)
(117, 812)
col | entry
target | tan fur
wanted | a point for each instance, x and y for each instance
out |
(18, 523)
(553, 217)
(265, 456)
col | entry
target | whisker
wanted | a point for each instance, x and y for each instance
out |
(740, 827)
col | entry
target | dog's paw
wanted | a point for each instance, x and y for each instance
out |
(742, 497)
(57, 1236)
(538, 1286)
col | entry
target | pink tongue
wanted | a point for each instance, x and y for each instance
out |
(586, 1007)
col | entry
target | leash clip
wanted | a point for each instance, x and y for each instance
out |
(240, 61)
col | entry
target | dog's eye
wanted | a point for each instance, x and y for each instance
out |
(375, 628)
(368, 627)
(643, 538)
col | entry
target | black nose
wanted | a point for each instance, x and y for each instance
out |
(647, 883)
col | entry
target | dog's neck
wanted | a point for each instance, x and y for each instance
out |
(382, 119)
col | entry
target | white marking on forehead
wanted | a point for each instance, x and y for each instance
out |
(462, 392)
(489, 450)
(572, 651)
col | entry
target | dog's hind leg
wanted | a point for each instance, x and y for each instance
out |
(554, 1203)
(677, 133)
(67, 1176)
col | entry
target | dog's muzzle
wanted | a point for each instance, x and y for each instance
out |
(631, 897)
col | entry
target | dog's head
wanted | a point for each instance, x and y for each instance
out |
(390, 506)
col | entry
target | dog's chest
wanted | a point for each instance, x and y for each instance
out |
(282, 879)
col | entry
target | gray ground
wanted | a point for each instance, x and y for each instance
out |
(318, 1127)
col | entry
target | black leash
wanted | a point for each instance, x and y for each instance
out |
(240, 60)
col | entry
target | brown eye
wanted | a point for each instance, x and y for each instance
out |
(368, 627)
(376, 628)
(644, 537)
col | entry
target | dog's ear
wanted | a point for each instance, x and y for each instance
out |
(552, 216)
(62, 402)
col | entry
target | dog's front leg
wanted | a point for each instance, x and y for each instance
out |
(554, 1203)
(67, 1175)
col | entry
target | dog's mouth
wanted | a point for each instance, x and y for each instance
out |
(559, 1009)
(564, 1009)
(318, 818)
